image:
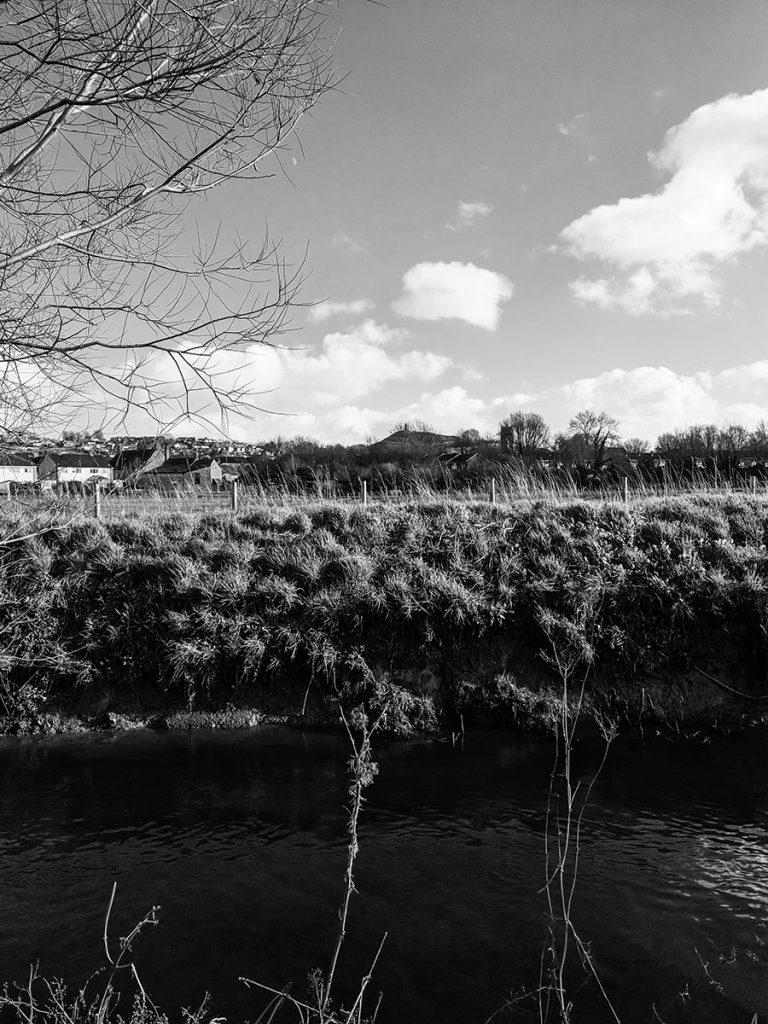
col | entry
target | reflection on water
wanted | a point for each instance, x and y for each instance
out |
(241, 838)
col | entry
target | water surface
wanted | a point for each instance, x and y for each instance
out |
(240, 838)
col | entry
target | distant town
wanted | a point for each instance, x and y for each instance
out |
(591, 452)
(83, 458)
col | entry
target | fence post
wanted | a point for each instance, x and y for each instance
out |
(493, 490)
(97, 500)
(754, 484)
(234, 496)
(365, 492)
(626, 490)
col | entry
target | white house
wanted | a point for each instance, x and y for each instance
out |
(16, 469)
(74, 468)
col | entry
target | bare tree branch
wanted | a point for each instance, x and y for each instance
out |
(116, 116)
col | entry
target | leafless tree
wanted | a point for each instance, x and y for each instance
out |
(594, 432)
(758, 442)
(670, 444)
(523, 434)
(469, 439)
(635, 446)
(733, 444)
(115, 116)
(691, 446)
(417, 426)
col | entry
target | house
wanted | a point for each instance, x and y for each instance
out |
(16, 468)
(74, 468)
(180, 471)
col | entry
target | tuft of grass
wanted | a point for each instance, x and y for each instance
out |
(332, 594)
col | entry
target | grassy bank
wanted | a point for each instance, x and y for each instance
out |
(437, 609)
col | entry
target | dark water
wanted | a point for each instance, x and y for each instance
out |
(241, 839)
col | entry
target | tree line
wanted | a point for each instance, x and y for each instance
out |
(594, 440)
(591, 452)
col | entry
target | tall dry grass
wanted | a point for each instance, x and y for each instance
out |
(503, 484)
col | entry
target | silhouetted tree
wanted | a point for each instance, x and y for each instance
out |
(593, 432)
(417, 426)
(523, 434)
(690, 449)
(732, 445)
(635, 446)
(469, 436)
(758, 442)
(469, 440)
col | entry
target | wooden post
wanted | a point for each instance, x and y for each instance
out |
(754, 484)
(626, 490)
(365, 492)
(493, 490)
(234, 495)
(97, 500)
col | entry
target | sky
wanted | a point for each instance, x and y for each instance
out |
(539, 205)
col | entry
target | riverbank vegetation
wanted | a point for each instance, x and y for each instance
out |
(436, 609)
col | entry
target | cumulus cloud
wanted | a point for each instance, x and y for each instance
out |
(468, 214)
(453, 408)
(636, 296)
(347, 366)
(454, 291)
(325, 310)
(746, 376)
(667, 246)
(649, 400)
(351, 364)
(448, 410)
(646, 400)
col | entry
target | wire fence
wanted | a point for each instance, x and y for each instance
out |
(112, 501)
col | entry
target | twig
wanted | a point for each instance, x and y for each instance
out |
(363, 771)
(364, 984)
(727, 688)
(106, 922)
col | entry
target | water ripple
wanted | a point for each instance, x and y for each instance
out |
(243, 841)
